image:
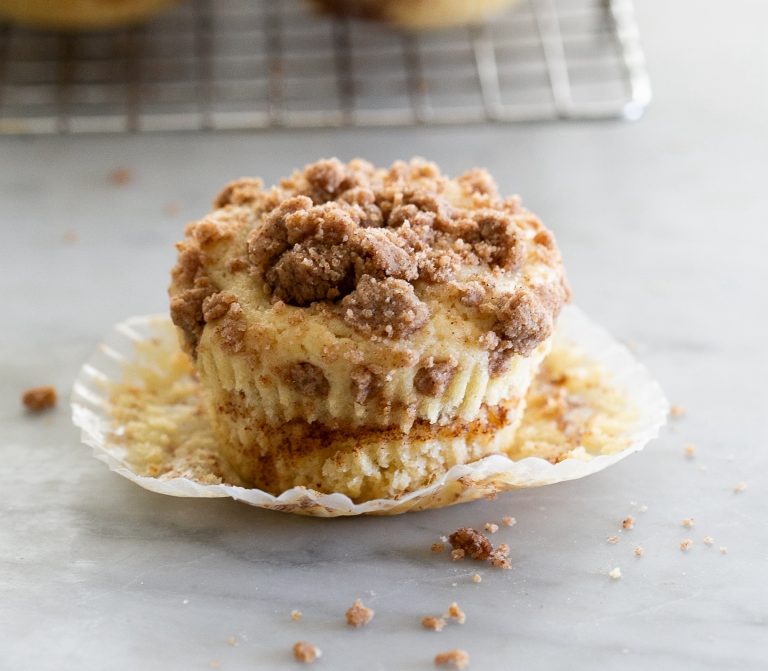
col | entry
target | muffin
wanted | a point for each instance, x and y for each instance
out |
(417, 14)
(362, 330)
(80, 14)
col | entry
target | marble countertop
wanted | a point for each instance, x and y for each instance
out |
(663, 227)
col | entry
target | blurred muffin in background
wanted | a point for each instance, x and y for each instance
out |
(80, 14)
(417, 14)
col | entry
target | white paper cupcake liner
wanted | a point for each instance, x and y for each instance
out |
(483, 478)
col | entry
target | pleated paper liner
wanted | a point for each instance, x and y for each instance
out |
(138, 403)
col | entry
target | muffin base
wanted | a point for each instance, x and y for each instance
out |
(363, 463)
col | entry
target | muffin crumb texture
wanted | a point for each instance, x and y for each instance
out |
(306, 652)
(358, 615)
(38, 399)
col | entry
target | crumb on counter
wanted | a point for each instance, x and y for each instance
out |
(472, 542)
(232, 641)
(358, 614)
(614, 573)
(628, 522)
(723, 550)
(455, 659)
(120, 176)
(491, 528)
(457, 554)
(677, 411)
(38, 399)
(689, 450)
(708, 540)
(432, 623)
(215, 664)
(306, 652)
(686, 544)
(613, 540)
(295, 615)
(437, 547)
(477, 578)
(740, 487)
(455, 613)
(508, 521)
(639, 551)
(688, 522)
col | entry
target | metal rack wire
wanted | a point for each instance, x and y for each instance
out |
(229, 64)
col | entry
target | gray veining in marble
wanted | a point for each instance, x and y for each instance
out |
(663, 226)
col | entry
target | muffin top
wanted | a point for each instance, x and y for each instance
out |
(375, 256)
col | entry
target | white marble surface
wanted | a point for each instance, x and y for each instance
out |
(663, 225)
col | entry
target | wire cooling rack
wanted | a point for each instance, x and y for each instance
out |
(227, 64)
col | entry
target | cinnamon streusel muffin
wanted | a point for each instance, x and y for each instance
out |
(361, 330)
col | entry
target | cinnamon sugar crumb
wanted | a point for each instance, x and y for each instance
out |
(457, 554)
(455, 613)
(499, 560)
(38, 399)
(455, 659)
(686, 545)
(508, 521)
(432, 623)
(491, 528)
(306, 652)
(639, 551)
(677, 411)
(628, 523)
(708, 540)
(689, 450)
(740, 487)
(437, 547)
(687, 522)
(472, 542)
(358, 615)
(477, 578)
(295, 615)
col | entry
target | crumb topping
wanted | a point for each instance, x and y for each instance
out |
(491, 528)
(454, 659)
(306, 652)
(437, 547)
(38, 399)
(358, 615)
(307, 379)
(433, 378)
(371, 242)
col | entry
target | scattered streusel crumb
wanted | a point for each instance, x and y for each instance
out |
(457, 554)
(503, 549)
(708, 540)
(688, 522)
(498, 560)
(455, 659)
(477, 578)
(613, 540)
(358, 614)
(723, 550)
(232, 640)
(443, 539)
(306, 652)
(614, 573)
(120, 176)
(689, 450)
(455, 613)
(38, 399)
(643, 509)
(628, 523)
(433, 623)
(740, 487)
(437, 547)
(491, 528)
(508, 521)
(639, 552)
(472, 542)
(295, 615)
(677, 411)
(686, 545)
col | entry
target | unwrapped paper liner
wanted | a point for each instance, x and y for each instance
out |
(483, 478)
